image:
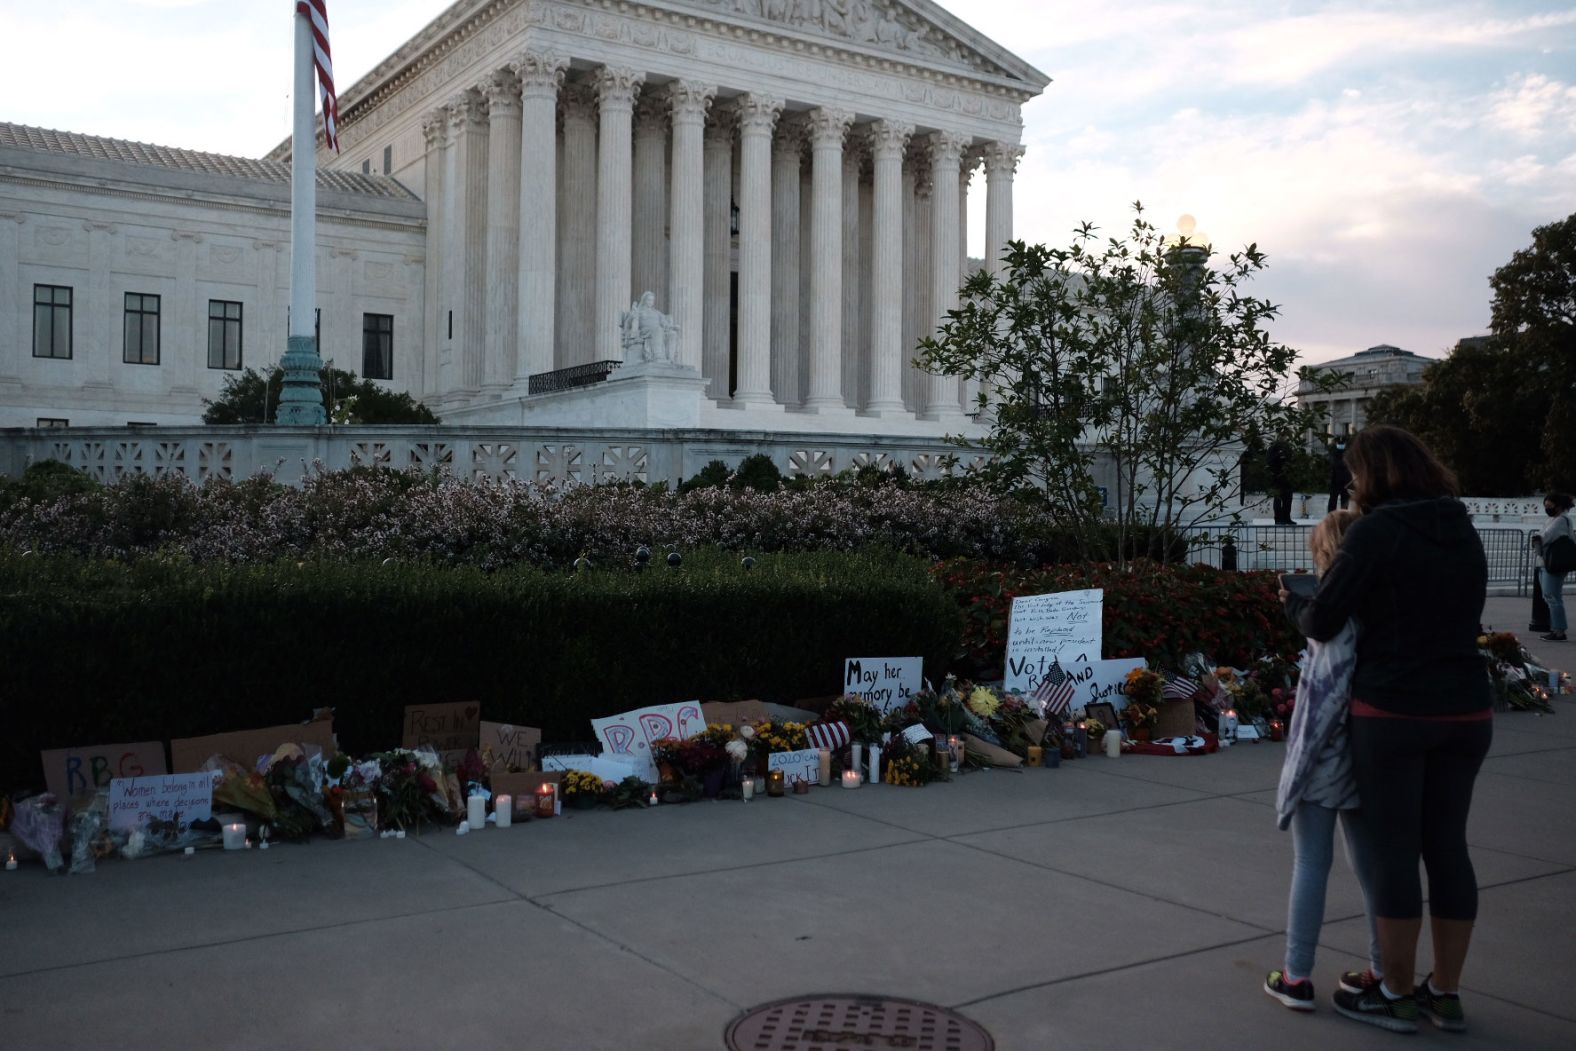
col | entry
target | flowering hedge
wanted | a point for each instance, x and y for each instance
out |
(97, 651)
(378, 514)
(1161, 612)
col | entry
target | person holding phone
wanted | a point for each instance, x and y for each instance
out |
(1412, 572)
(1317, 790)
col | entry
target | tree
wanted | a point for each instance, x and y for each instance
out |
(247, 394)
(1501, 412)
(1134, 362)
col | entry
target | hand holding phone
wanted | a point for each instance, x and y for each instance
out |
(1304, 584)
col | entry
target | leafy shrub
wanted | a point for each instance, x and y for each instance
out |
(45, 482)
(1161, 612)
(759, 473)
(714, 475)
(161, 647)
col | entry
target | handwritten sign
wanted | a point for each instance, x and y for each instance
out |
(512, 747)
(182, 798)
(803, 765)
(1103, 681)
(612, 768)
(631, 733)
(73, 772)
(449, 729)
(886, 682)
(1044, 629)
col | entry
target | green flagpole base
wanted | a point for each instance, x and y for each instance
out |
(301, 399)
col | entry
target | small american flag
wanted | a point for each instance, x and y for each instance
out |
(1180, 688)
(317, 12)
(1055, 692)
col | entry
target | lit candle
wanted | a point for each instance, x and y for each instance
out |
(235, 836)
(653, 801)
(1081, 738)
(503, 811)
(774, 783)
(850, 778)
(747, 786)
(476, 812)
(955, 746)
(1036, 755)
(875, 764)
(10, 860)
(1113, 743)
(546, 800)
(825, 757)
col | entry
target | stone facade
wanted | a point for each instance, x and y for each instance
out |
(788, 178)
(1365, 374)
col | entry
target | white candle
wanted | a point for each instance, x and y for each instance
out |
(857, 756)
(653, 800)
(1113, 743)
(875, 764)
(747, 786)
(825, 769)
(503, 811)
(235, 836)
(850, 778)
(10, 861)
(476, 812)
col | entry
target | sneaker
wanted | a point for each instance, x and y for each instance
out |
(1375, 1008)
(1296, 995)
(1442, 1009)
(1359, 981)
(1553, 636)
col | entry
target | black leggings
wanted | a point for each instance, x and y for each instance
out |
(1415, 778)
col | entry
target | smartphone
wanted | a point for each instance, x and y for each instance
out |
(1304, 584)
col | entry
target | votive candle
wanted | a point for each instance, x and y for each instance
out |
(747, 786)
(503, 811)
(235, 836)
(774, 783)
(1036, 755)
(825, 769)
(10, 860)
(856, 756)
(1113, 743)
(875, 764)
(955, 746)
(476, 812)
(850, 778)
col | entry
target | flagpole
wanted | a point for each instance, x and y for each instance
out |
(301, 399)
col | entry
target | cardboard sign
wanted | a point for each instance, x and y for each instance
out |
(182, 798)
(1043, 629)
(803, 765)
(73, 772)
(450, 729)
(631, 733)
(187, 754)
(733, 713)
(512, 747)
(612, 768)
(1103, 681)
(886, 682)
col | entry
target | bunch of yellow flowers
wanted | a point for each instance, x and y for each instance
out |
(983, 702)
(579, 782)
(781, 737)
(904, 772)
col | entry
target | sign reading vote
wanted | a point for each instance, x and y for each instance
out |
(1045, 629)
(886, 682)
(181, 798)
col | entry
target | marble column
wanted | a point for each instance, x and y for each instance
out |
(11, 294)
(864, 267)
(787, 149)
(888, 140)
(536, 211)
(968, 395)
(451, 308)
(616, 91)
(757, 114)
(911, 282)
(941, 392)
(178, 340)
(435, 134)
(853, 158)
(1001, 161)
(686, 270)
(828, 128)
(577, 232)
(718, 193)
(919, 275)
(648, 236)
(468, 126)
(502, 91)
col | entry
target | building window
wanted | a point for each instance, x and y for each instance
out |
(53, 421)
(224, 334)
(377, 346)
(366, 167)
(51, 322)
(388, 160)
(142, 329)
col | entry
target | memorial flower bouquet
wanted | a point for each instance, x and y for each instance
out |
(863, 718)
(908, 765)
(1140, 716)
(1145, 686)
(779, 737)
(583, 790)
(1512, 676)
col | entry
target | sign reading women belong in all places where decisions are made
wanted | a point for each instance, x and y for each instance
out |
(1045, 629)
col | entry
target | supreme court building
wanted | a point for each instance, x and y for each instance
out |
(788, 178)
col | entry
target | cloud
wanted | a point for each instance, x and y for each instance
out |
(1534, 106)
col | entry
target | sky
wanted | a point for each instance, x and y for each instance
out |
(1386, 156)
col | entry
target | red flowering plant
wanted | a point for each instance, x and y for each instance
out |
(692, 756)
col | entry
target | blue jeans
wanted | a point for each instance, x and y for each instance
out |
(1313, 839)
(1551, 584)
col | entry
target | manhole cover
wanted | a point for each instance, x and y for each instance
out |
(835, 1023)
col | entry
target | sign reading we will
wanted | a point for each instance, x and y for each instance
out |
(183, 798)
(886, 682)
(1046, 629)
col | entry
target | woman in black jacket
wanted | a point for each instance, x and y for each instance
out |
(1412, 572)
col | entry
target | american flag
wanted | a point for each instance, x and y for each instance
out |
(1180, 688)
(317, 12)
(1055, 692)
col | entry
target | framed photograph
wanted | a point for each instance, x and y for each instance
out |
(1105, 712)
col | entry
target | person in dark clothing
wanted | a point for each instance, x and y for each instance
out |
(1278, 459)
(1340, 477)
(1412, 572)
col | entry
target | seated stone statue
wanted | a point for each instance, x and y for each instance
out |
(647, 334)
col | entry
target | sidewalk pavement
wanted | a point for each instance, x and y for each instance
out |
(1111, 903)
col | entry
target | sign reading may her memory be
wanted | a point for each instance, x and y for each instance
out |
(187, 797)
(1045, 629)
(886, 682)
